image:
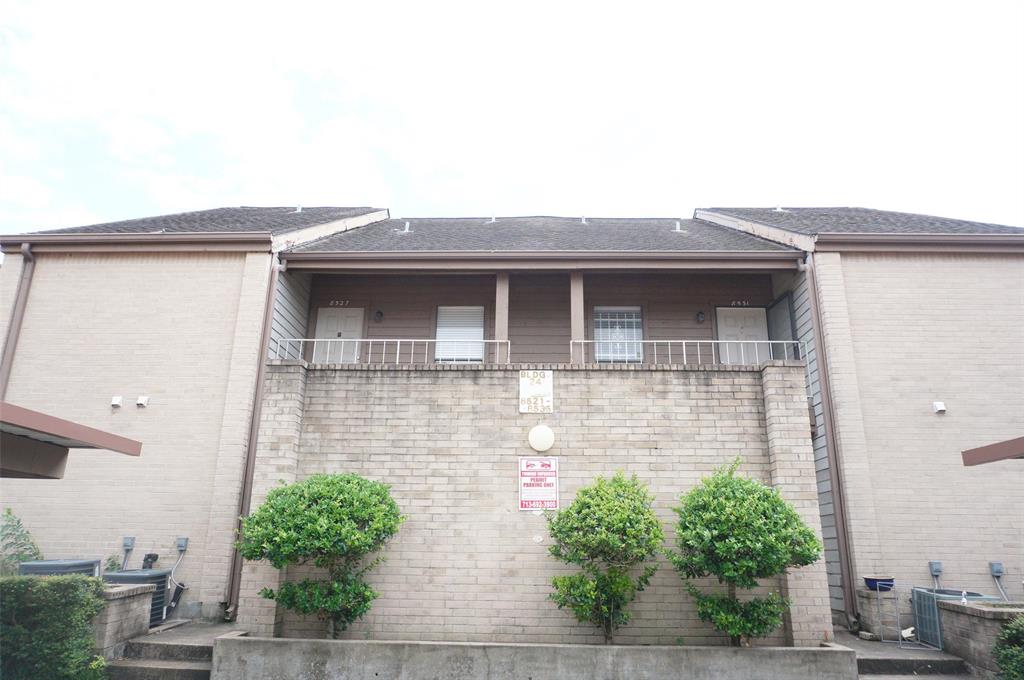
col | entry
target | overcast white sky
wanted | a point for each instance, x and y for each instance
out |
(113, 110)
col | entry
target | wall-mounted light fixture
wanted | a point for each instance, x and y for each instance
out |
(700, 317)
(116, 401)
(378, 316)
(939, 406)
(142, 401)
(541, 438)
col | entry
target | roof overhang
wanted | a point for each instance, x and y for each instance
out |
(245, 241)
(1007, 450)
(546, 260)
(35, 444)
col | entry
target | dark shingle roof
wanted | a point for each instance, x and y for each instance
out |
(535, 234)
(219, 220)
(860, 221)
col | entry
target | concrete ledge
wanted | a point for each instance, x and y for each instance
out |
(1000, 611)
(120, 592)
(246, 658)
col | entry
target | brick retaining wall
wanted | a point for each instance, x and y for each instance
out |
(467, 565)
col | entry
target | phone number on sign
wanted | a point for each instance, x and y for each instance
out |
(538, 504)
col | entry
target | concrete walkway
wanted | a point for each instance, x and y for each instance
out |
(887, 659)
(189, 633)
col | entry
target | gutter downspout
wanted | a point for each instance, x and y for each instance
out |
(832, 449)
(245, 498)
(17, 316)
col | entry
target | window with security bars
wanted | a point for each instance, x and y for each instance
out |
(618, 334)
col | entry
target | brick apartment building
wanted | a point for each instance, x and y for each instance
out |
(276, 343)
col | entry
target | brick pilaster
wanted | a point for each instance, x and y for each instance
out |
(277, 455)
(234, 431)
(791, 470)
(849, 427)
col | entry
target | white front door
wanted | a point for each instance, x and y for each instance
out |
(740, 326)
(338, 325)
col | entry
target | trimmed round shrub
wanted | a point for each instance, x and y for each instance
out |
(1009, 650)
(330, 521)
(609, 531)
(46, 627)
(739, 531)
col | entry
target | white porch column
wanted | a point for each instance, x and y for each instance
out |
(501, 316)
(577, 316)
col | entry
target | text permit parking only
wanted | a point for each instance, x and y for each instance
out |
(538, 483)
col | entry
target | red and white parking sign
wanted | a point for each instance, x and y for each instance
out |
(538, 483)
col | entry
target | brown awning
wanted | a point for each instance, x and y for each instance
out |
(34, 444)
(1011, 448)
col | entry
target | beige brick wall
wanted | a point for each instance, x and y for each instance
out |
(179, 327)
(924, 328)
(277, 459)
(466, 564)
(234, 430)
(10, 275)
(850, 437)
(125, 615)
(790, 460)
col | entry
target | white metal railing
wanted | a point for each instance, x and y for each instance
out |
(684, 351)
(392, 351)
(407, 351)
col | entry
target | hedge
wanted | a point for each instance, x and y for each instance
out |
(1009, 650)
(46, 627)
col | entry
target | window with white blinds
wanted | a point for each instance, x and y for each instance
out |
(460, 334)
(618, 334)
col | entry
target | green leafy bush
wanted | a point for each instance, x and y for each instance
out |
(333, 522)
(739, 531)
(1009, 650)
(16, 544)
(46, 627)
(608, 531)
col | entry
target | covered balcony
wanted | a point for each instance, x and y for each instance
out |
(640, 318)
(537, 290)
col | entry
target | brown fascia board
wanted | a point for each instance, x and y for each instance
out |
(246, 241)
(551, 260)
(1011, 448)
(83, 435)
(961, 243)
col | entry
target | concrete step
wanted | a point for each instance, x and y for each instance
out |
(909, 666)
(158, 669)
(143, 648)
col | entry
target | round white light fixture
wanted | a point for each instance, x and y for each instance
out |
(541, 438)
